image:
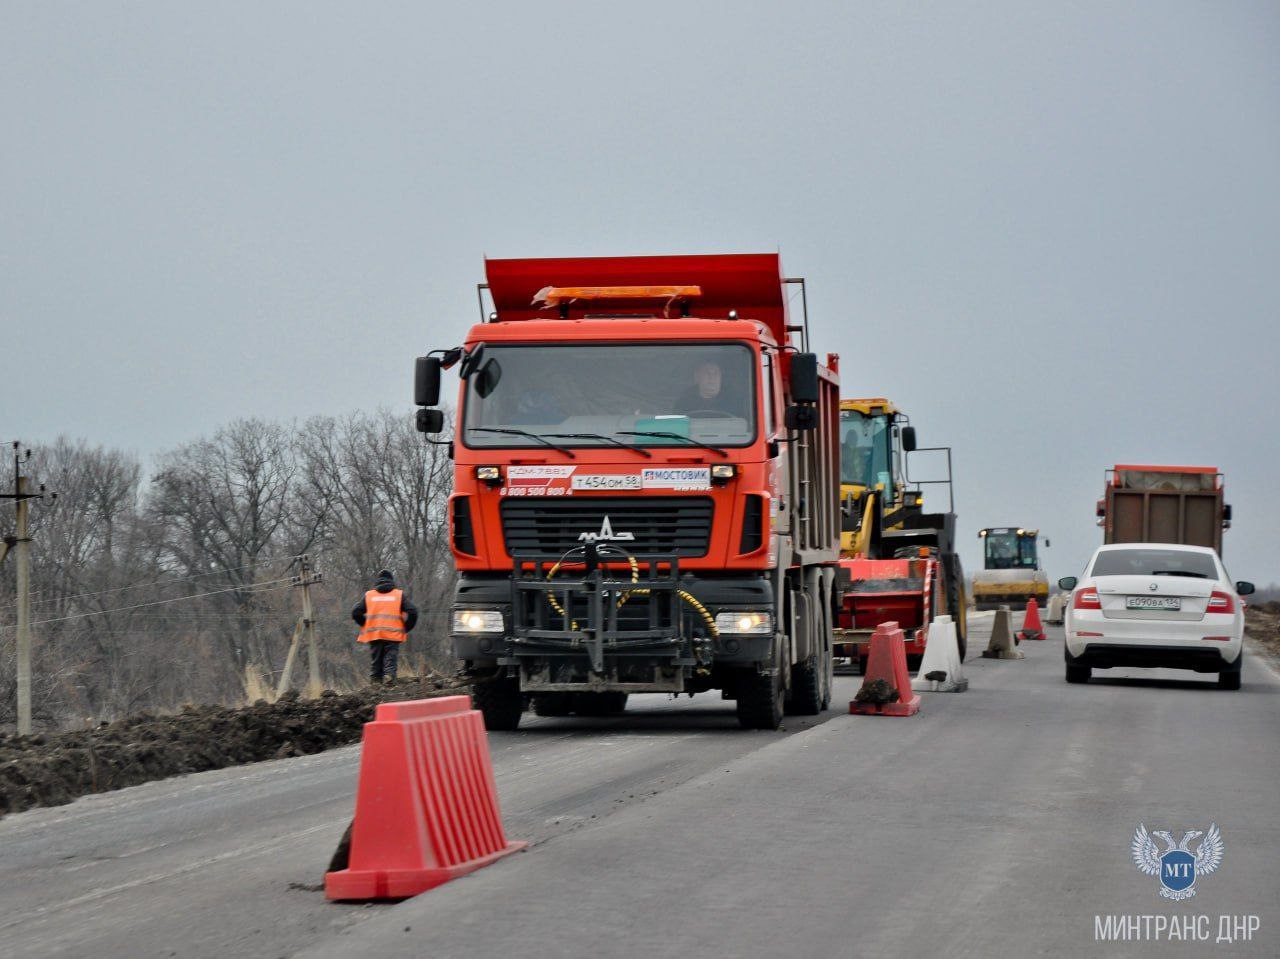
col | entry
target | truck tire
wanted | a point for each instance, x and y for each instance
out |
(553, 704)
(824, 644)
(599, 704)
(761, 697)
(806, 687)
(804, 698)
(500, 702)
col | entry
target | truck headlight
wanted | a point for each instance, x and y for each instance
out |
(745, 622)
(477, 621)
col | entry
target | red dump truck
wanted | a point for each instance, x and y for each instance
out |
(646, 488)
(1164, 504)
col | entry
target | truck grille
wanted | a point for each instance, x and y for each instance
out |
(659, 524)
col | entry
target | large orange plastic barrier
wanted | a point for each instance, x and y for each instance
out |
(426, 806)
(886, 686)
(1031, 627)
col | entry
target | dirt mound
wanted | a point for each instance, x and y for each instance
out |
(48, 770)
(1262, 625)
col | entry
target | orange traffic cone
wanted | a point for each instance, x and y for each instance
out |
(1031, 628)
(886, 684)
(426, 806)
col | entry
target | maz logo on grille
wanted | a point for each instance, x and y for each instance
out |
(606, 535)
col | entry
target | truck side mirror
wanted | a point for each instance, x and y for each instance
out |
(802, 417)
(429, 421)
(1068, 583)
(908, 438)
(804, 379)
(1243, 588)
(426, 381)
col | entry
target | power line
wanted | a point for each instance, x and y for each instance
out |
(266, 587)
(159, 582)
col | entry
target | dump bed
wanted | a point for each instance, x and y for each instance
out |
(1164, 504)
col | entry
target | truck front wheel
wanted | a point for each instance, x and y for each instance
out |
(599, 704)
(760, 697)
(499, 701)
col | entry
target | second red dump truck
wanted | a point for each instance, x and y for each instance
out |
(646, 488)
(1164, 504)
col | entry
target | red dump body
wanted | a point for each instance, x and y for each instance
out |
(1164, 504)
(884, 591)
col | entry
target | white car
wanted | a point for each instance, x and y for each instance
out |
(1157, 605)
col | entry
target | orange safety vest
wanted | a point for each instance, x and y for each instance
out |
(383, 617)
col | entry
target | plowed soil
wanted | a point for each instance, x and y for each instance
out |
(48, 770)
(1262, 625)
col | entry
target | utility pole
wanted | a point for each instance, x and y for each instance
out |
(305, 579)
(20, 543)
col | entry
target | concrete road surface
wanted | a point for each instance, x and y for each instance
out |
(996, 823)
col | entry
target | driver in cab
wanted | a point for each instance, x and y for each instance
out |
(706, 395)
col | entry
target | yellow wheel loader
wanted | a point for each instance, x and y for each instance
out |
(898, 563)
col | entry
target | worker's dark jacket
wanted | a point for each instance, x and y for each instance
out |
(385, 586)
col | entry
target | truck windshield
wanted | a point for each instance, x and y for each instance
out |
(1008, 550)
(1154, 562)
(607, 392)
(864, 449)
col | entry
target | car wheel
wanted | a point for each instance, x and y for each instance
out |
(1078, 674)
(1230, 678)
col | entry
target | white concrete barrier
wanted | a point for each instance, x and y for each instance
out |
(941, 660)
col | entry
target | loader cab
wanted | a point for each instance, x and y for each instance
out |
(1009, 548)
(868, 456)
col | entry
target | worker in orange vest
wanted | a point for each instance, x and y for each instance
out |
(385, 617)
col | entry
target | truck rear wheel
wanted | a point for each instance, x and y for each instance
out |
(806, 687)
(805, 695)
(499, 701)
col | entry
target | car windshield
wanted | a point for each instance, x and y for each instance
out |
(1154, 562)
(1005, 549)
(864, 449)
(676, 394)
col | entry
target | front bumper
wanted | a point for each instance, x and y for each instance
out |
(717, 595)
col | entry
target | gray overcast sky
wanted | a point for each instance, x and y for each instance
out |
(1050, 232)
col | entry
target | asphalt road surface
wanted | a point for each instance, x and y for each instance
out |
(995, 823)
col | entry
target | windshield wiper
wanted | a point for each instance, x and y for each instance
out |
(1178, 572)
(535, 436)
(600, 436)
(674, 436)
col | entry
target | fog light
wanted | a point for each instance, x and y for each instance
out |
(723, 471)
(477, 621)
(745, 622)
(489, 474)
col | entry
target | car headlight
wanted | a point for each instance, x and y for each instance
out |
(477, 621)
(745, 622)
(723, 471)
